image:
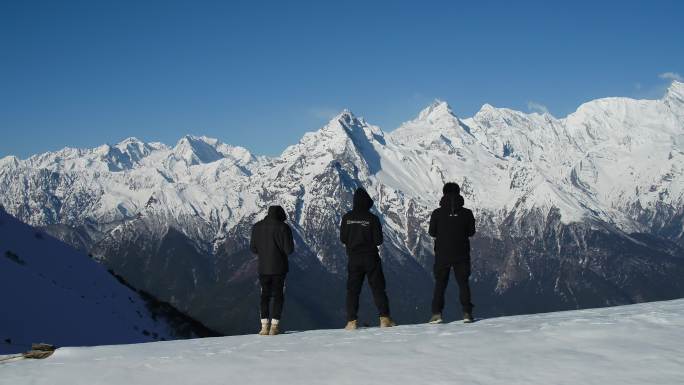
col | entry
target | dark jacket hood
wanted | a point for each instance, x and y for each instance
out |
(451, 188)
(277, 213)
(451, 202)
(362, 201)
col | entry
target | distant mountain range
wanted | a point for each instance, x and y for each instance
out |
(583, 211)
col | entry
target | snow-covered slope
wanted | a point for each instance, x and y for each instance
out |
(586, 210)
(636, 344)
(53, 293)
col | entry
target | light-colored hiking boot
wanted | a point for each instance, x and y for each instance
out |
(468, 317)
(351, 325)
(264, 329)
(386, 322)
(436, 319)
(275, 330)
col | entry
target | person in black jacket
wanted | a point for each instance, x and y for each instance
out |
(272, 242)
(452, 225)
(361, 233)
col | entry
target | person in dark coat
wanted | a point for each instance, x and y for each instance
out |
(361, 233)
(452, 225)
(272, 241)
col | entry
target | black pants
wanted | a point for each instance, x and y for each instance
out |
(272, 286)
(462, 274)
(356, 271)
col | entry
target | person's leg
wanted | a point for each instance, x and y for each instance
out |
(462, 273)
(278, 294)
(266, 284)
(355, 276)
(441, 274)
(376, 281)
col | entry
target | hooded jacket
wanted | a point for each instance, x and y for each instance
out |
(451, 225)
(360, 230)
(272, 241)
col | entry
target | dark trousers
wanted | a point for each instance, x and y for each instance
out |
(462, 274)
(356, 271)
(272, 286)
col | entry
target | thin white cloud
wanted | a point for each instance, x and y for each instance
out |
(671, 76)
(537, 107)
(323, 112)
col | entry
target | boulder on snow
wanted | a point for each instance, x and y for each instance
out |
(40, 351)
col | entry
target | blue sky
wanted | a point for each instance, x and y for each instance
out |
(260, 74)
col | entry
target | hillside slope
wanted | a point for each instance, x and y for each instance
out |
(53, 293)
(635, 344)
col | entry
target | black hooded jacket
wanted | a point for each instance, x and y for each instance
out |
(451, 225)
(360, 230)
(272, 241)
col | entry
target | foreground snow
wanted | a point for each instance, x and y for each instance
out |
(636, 344)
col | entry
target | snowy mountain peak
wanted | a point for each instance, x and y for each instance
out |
(438, 108)
(355, 126)
(131, 140)
(486, 109)
(9, 161)
(347, 116)
(134, 148)
(675, 91)
(346, 123)
(196, 150)
(435, 125)
(346, 111)
(344, 118)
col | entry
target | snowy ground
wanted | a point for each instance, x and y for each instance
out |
(637, 344)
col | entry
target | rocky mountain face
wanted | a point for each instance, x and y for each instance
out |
(583, 211)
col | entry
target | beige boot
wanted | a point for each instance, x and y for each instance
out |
(436, 318)
(386, 322)
(351, 325)
(264, 328)
(275, 329)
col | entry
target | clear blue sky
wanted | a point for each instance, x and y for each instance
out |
(260, 74)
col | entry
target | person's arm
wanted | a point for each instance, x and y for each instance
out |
(471, 223)
(344, 230)
(377, 231)
(289, 241)
(432, 230)
(252, 241)
(283, 239)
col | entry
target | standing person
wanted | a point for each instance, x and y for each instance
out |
(452, 225)
(361, 233)
(272, 242)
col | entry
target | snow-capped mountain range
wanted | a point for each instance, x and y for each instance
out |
(586, 210)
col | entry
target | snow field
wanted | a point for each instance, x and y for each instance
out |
(635, 344)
